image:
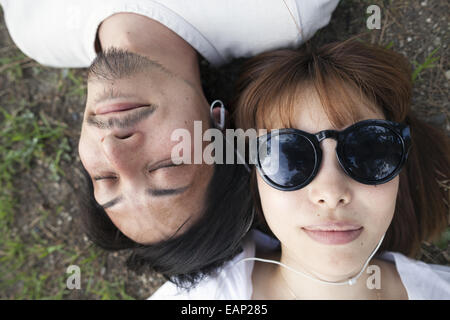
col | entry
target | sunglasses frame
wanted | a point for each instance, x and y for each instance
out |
(401, 130)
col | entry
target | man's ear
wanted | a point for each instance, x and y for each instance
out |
(216, 115)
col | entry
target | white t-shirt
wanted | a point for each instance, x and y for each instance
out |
(234, 280)
(62, 33)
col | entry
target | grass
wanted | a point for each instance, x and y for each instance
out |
(427, 64)
(24, 138)
(12, 66)
(443, 242)
(78, 83)
(30, 139)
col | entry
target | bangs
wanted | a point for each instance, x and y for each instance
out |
(349, 78)
(343, 102)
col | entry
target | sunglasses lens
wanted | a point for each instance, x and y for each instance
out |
(289, 160)
(372, 153)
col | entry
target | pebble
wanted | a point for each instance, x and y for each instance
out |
(423, 3)
(66, 216)
(64, 72)
(437, 41)
(75, 116)
(409, 39)
(144, 278)
(447, 74)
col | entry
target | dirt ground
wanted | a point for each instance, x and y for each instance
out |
(46, 207)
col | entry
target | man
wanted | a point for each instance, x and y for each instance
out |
(144, 82)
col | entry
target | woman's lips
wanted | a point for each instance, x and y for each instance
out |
(117, 107)
(333, 236)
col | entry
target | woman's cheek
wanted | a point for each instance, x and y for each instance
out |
(380, 203)
(279, 207)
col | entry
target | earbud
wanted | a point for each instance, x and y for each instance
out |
(221, 124)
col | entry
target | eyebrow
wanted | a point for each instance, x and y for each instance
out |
(151, 192)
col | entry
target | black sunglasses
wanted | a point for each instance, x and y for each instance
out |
(370, 151)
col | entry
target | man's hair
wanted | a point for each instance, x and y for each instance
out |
(339, 72)
(199, 251)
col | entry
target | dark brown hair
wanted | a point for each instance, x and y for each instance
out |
(339, 73)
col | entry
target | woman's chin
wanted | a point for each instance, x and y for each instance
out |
(337, 267)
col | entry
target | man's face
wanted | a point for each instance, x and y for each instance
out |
(127, 153)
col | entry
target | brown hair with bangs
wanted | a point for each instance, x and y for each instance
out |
(339, 72)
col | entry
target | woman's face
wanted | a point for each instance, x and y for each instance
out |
(331, 201)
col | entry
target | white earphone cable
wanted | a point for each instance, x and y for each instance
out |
(350, 282)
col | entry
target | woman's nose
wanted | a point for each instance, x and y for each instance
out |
(330, 188)
(122, 148)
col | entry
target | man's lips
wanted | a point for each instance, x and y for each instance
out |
(117, 107)
(333, 233)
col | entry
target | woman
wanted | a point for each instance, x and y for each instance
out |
(357, 176)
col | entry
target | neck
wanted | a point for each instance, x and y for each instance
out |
(300, 287)
(149, 38)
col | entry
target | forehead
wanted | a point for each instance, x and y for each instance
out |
(306, 110)
(311, 115)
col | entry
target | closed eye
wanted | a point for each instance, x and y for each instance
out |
(163, 166)
(104, 178)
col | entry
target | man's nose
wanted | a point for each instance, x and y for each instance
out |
(123, 148)
(330, 188)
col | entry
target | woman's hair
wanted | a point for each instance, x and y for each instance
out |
(199, 251)
(343, 74)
